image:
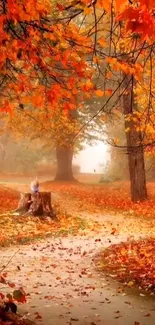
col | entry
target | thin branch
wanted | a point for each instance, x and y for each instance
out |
(102, 108)
(5, 266)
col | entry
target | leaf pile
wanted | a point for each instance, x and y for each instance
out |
(114, 196)
(132, 263)
(19, 229)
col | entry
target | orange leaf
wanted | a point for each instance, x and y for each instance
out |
(11, 285)
(99, 93)
(101, 41)
(60, 7)
(120, 4)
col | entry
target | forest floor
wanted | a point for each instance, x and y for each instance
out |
(63, 274)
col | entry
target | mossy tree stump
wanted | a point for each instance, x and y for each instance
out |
(36, 204)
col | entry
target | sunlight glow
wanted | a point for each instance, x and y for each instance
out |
(91, 158)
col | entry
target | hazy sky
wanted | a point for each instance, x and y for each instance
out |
(91, 158)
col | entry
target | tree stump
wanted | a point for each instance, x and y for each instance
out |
(36, 204)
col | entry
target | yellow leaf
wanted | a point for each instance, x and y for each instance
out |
(127, 130)
(130, 283)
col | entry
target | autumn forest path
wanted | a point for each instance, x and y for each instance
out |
(59, 274)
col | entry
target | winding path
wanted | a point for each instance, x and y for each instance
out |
(64, 288)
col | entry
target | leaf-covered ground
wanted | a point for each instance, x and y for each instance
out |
(131, 263)
(8, 199)
(18, 229)
(58, 273)
(134, 263)
(59, 277)
(115, 196)
(74, 200)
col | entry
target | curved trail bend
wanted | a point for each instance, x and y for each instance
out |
(64, 287)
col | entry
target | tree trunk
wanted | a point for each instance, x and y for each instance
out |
(64, 157)
(36, 204)
(135, 155)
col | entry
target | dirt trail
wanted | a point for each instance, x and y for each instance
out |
(64, 287)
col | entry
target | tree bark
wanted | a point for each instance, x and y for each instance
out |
(36, 204)
(135, 155)
(64, 156)
(24, 203)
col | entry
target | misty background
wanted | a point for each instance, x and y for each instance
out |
(104, 162)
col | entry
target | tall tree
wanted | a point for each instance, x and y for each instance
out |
(53, 56)
(57, 130)
(135, 149)
(64, 156)
(42, 65)
(123, 41)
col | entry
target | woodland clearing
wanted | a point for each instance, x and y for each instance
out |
(73, 73)
(59, 274)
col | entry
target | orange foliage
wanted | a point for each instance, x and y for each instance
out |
(44, 61)
(140, 18)
(138, 15)
(34, 49)
(46, 58)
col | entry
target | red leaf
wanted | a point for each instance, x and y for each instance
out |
(11, 285)
(2, 296)
(38, 316)
(60, 7)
